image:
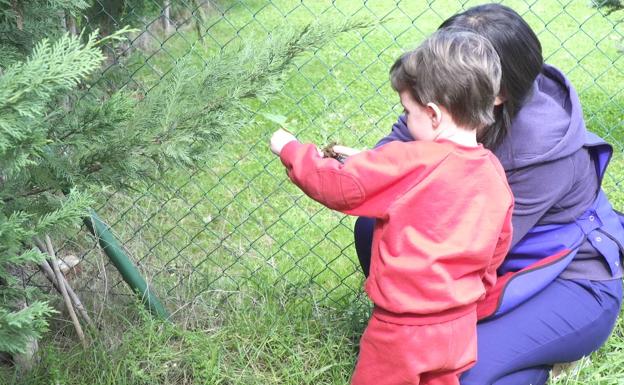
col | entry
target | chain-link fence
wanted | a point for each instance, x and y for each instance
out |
(236, 225)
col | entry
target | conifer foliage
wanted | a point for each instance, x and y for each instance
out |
(61, 142)
(31, 187)
(24, 23)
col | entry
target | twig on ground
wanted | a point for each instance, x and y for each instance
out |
(49, 273)
(60, 283)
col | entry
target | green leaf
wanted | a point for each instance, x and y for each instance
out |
(280, 120)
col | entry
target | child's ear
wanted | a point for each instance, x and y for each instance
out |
(434, 113)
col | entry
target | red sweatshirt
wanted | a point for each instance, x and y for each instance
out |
(443, 221)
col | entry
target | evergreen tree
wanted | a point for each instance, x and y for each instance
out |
(109, 15)
(609, 6)
(53, 156)
(24, 23)
(30, 198)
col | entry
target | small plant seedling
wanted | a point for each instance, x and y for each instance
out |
(328, 152)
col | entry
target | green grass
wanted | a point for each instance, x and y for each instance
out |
(263, 283)
(260, 339)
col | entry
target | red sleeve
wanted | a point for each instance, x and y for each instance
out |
(500, 252)
(365, 185)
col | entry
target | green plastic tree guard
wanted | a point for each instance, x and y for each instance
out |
(125, 267)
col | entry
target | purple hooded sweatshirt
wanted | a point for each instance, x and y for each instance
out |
(552, 176)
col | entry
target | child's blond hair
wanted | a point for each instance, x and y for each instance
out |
(456, 69)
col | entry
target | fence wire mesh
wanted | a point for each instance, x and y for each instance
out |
(236, 225)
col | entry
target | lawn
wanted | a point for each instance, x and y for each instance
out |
(263, 283)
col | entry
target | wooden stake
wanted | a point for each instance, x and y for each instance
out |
(47, 271)
(60, 281)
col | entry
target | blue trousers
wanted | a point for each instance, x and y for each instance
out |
(569, 319)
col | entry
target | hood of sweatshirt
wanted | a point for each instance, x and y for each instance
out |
(549, 125)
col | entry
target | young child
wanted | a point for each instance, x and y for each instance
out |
(443, 210)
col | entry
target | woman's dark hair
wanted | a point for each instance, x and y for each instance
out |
(520, 54)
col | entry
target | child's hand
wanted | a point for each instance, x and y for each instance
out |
(345, 151)
(279, 139)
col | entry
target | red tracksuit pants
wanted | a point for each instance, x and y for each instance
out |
(434, 354)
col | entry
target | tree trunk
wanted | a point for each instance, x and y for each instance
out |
(19, 14)
(25, 362)
(107, 14)
(70, 24)
(166, 17)
(199, 18)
